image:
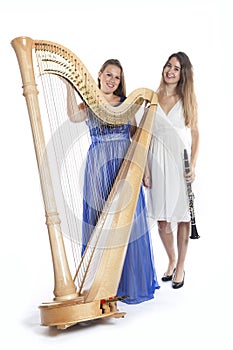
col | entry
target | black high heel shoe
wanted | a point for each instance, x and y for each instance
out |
(177, 285)
(167, 278)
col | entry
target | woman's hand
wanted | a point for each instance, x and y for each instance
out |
(190, 176)
(147, 177)
(146, 181)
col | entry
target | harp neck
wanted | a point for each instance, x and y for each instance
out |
(58, 60)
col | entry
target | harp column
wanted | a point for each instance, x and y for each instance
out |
(64, 287)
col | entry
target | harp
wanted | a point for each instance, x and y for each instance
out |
(90, 294)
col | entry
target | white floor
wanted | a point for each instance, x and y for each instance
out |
(197, 316)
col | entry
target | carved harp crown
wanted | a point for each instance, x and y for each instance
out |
(88, 294)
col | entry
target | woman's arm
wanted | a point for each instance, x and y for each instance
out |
(190, 177)
(76, 112)
(133, 126)
(194, 147)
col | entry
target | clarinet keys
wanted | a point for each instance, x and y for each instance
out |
(194, 233)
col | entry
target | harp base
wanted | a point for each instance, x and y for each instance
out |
(65, 314)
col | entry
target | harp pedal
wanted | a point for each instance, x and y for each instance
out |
(109, 306)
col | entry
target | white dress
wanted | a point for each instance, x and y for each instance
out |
(167, 198)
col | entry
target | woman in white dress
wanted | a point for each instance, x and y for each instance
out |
(175, 129)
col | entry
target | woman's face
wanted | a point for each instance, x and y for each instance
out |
(110, 79)
(171, 72)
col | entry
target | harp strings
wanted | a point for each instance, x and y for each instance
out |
(112, 239)
(69, 157)
(101, 188)
(64, 172)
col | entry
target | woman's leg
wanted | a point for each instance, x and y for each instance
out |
(182, 245)
(166, 236)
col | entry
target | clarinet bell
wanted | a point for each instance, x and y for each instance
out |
(194, 234)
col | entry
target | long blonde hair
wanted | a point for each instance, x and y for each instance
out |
(185, 88)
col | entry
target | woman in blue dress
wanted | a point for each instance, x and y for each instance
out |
(109, 145)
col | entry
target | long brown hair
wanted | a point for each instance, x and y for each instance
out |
(121, 90)
(185, 88)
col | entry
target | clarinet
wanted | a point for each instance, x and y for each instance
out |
(194, 234)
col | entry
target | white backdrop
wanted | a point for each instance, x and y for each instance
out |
(141, 35)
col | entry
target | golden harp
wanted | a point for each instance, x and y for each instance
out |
(90, 293)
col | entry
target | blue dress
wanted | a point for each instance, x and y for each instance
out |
(104, 158)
